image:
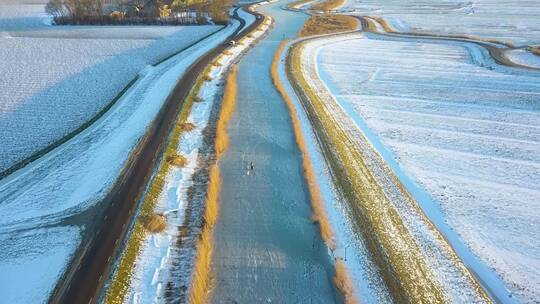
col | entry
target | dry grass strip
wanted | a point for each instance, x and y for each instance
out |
(341, 279)
(201, 278)
(343, 282)
(228, 106)
(319, 212)
(328, 24)
(177, 160)
(155, 223)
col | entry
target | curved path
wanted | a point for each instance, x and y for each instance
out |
(266, 248)
(82, 284)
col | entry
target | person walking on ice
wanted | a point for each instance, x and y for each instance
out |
(250, 168)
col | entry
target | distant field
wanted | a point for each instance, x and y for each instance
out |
(55, 78)
(464, 129)
(513, 21)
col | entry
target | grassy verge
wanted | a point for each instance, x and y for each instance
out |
(341, 279)
(328, 24)
(122, 277)
(395, 251)
(228, 106)
(201, 278)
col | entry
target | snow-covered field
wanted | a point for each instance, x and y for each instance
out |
(157, 257)
(462, 129)
(513, 21)
(45, 207)
(56, 78)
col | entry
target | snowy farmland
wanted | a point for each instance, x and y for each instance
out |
(57, 195)
(464, 130)
(52, 77)
(48, 206)
(514, 21)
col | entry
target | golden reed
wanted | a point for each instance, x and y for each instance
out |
(201, 277)
(342, 280)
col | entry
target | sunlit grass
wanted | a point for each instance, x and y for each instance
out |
(155, 223)
(201, 277)
(328, 24)
(228, 106)
(186, 126)
(177, 160)
(343, 282)
(207, 77)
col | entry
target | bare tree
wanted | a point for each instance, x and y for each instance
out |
(219, 10)
(55, 8)
(75, 8)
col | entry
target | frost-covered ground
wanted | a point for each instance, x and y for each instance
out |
(463, 129)
(56, 78)
(512, 21)
(46, 206)
(158, 255)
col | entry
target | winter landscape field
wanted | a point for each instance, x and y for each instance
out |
(67, 74)
(53, 75)
(464, 129)
(283, 151)
(514, 21)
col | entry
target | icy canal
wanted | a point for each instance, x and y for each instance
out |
(266, 247)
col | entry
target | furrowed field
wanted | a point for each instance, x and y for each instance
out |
(514, 21)
(462, 128)
(56, 78)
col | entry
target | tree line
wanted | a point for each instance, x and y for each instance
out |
(139, 11)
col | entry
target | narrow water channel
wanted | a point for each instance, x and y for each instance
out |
(266, 247)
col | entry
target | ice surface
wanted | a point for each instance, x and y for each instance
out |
(466, 130)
